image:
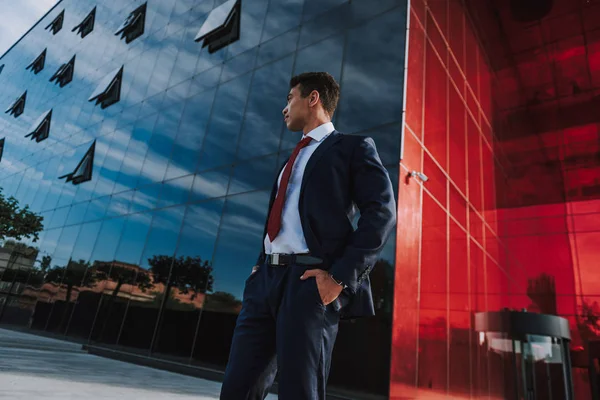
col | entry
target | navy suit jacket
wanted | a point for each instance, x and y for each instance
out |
(344, 171)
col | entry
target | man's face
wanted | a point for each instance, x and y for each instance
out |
(296, 111)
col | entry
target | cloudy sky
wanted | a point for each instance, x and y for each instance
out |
(17, 17)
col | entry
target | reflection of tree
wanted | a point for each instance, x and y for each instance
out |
(183, 273)
(222, 302)
(187, 273)
(45, 263)
(17, 222)
(542, 292)
(123, 274)
(18, 268)
(174, 303)
(75, 274)
(589, 321)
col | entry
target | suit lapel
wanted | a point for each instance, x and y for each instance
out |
(316, 156)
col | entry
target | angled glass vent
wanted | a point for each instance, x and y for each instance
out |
(18, 106)
(41, 128)
(38, 64)
(57, 23)
(87, 25)
(64, 74)
(133, 27)
(222, 26)
(1, 147)
(108, 91)
(83, 170)
(1, 68)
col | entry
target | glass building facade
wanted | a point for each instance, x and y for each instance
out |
(163, 120)
(167, 148)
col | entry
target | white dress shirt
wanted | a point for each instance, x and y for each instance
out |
(290, 239)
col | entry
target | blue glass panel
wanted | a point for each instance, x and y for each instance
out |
(282, 16)
(190, 135)
(278, 47)
(240, 241)
(264, 120)
(210, 184)
(175, 191)
(371, 72)
(253, 175)
(313, 8)
(224, 127)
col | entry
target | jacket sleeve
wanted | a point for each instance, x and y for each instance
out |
(373, 194)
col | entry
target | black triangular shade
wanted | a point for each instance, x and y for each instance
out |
(133, 27)
(57, 23)
(38, 64)
(2, 147)
(87, 25)
(108, 91)
(1, 68)
(64, 74)
(222, 26)
(41, 128)
(18, 106)
(83, 171)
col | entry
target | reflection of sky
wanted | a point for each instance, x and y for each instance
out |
(16, 20)
(191, 127)
(239, 242)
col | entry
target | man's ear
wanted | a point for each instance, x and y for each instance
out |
(313, 98)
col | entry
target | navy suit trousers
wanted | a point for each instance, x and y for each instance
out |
(283, 330)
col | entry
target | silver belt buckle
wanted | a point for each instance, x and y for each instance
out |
(275, 259)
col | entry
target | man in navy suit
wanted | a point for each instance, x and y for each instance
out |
(314, 266)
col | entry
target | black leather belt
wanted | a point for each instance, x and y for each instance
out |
(282, 260)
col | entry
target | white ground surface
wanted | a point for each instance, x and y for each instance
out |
(34, 367)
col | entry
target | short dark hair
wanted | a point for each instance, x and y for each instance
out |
(322, 82)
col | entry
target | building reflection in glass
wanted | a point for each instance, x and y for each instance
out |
(150, 256)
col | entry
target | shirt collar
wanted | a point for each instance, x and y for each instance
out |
(321, 131)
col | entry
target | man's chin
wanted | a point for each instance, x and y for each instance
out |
(293, 128)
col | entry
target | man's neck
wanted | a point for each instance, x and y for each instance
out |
(314, 124)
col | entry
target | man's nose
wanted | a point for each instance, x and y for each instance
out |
(284, 111)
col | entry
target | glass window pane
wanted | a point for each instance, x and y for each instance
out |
(313, 8)
(145, 198)
(136, 152)
(278, 47)
(175, 191)
(325, 55)
(77, 280)
(148, 289)
(221, 138)
(114, 263)
(253, 175)
(264, 121)
(282, 16)
(238, 246)
(210, 184)
(191, 278)
(190, 135)
(76, 213)
(119, 204)
(367, 55)
(251, 22)
(160, 145)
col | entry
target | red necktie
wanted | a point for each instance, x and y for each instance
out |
(274, 224)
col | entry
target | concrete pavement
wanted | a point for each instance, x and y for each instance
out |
(34, 367)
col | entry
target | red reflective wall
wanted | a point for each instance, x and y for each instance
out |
(501, 117)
